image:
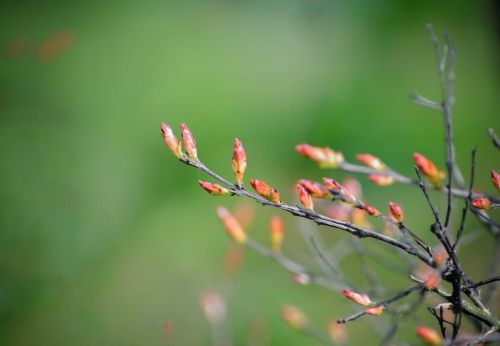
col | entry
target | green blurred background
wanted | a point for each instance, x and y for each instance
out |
(105, 237)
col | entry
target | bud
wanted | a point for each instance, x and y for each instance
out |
(428, 168)
(276, 233)
(432, 280)
(232, 226)
(239, 160)
(260, 187)
(361, 299)
(375, 311)
(213, 306)
(214, 189)
(481, 203)
(323, 156)
(358, 218)
(265, 190)
(371, 161)
(495, 179)
(315, 189)
(189, 142)
(337, 332)
(304, 197)
(233, 258)
(293, 316)
(396, 212)
(381, 180)
(171, 141)
(338, 190)
(301, 279)
(371, 210)
(440, 256)
(429, 336)
(275, 196)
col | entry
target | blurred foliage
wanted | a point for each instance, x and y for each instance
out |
(105, 237)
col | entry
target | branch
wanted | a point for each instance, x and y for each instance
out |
(306, 214)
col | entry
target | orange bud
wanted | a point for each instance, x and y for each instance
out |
(432, 280)
(481, 203)
(429, 336)
(265, 190)
(495, 179)
(213, 306)
(304, 197)
(276, 233)
(315, 189)
(233, 258)
(337, 332)
(214, 189)
(338, 190)
(375, 311)
(429, 169)
(189, 142)
(396, 212)
(301, 279)
(232, 225)
(171, 141)
(358, 218)
(440, 256)
(239, 160)
(260, 187)
(293, 316)
(323, 156)
(371, 161)
(381, 180)
(361, 299)
(275, 196)
(371, 210)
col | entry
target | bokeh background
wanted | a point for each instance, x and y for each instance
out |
(105, 237)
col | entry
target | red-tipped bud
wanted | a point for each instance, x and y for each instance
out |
(293, 316)
(233, 258)
(323, 156)
(429, 169)
(301, 279)
(276, 233)
(265, 190)
(304, 197)
(275, 196)
(189, 142)
(396, 212)
(171, 141)
(338, 190)
(429, 336)
(260, 187)
(214, 189)
(371, 161)
(232, 225)
(375, 311)
(495, 179)
(481, 203)
(358, 218)
(315, 189)
(361, 299)
(239, 160)
(213, 306)
(381, 180)
(432, 280)
(371, 210)
(337, 332)
(440, 256)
